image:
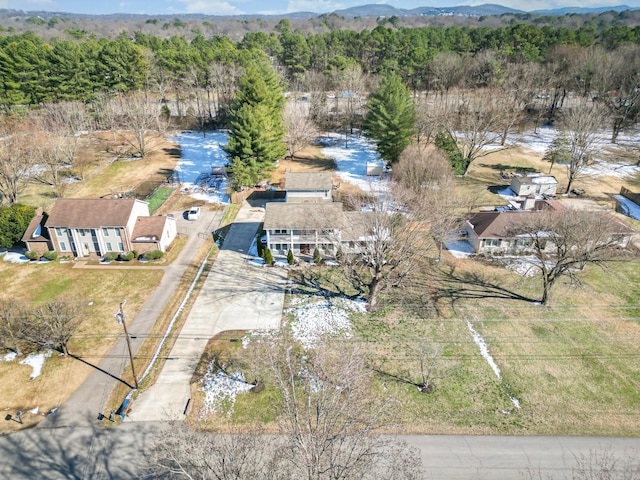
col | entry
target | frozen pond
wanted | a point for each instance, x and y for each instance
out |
(199, 155)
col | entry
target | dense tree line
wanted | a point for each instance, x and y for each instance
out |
(36, 71)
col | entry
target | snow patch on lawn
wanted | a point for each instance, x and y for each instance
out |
(221, 389)
(36, 362)
(629, 208)
(459, 248)
(14, 257)
(318, 316)
(9, 357)
(484, 352)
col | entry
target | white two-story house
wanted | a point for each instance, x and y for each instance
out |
(84, 227)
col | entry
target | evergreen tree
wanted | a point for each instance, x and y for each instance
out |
(14, 220)
(268, 256)
(316, 256)
(256, 140)
(448, 145)
(290, 258)
(390, 118)
(558, 152)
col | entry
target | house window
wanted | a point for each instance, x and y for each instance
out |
(523, 243)
(109, 249)
(118, 234)
(63, 246)
(96, 247)
(60, 231)
(120, 247)
(280, 232)
(491, 242)
(105, 232)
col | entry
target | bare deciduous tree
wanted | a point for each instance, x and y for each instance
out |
(331, 426)
(138, 120)
(427, 174)
(565, 241)
(474, 122)
(446, 70)
(188, 453)
(300, 128)
(55, 323)
(386, 240)
(332, 418)
(14, 322)
(17, 160)
(422, 368)
(580, 126)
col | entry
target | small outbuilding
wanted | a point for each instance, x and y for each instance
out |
(524, 185)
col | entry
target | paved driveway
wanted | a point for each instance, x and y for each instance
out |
(236, 295)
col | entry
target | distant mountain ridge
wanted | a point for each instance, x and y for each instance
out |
(379, 10)
(367, 10)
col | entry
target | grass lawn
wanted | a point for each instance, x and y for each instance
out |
(100, 292)
(571, 365)
(158, 197)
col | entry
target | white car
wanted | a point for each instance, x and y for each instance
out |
(193, 213)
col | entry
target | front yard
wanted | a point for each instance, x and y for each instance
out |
(565, 369)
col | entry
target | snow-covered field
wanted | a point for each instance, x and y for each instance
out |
(199, 154)
(352, 160)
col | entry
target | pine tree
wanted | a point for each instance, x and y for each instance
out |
(256, 140)
(390, 118)
(316, 256)
(290, 258)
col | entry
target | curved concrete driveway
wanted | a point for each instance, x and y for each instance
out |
(236, 295)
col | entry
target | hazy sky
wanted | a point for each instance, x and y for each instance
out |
(227, 7)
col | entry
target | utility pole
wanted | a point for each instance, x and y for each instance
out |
(120, 318)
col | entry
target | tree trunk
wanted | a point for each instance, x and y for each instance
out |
(546, 291)
(374, 289)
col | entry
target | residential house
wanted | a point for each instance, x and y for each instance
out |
(302, 227)
(491, 232)
(94, 227)
(525, 185)
(311, 187)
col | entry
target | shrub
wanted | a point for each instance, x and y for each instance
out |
(268, 257)
(31, 255)
(260, 247)
(110, 256)
(316, 256)
(52, 255)
(125, 257)
(153, 255)
(290, 258)
(340, 255)
(14, 220)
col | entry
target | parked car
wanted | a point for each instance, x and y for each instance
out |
(193, 213)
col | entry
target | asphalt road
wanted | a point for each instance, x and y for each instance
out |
(120, 452)
(82, 408)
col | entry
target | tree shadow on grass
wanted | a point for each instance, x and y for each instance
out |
(315, 280)
(447, 284)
